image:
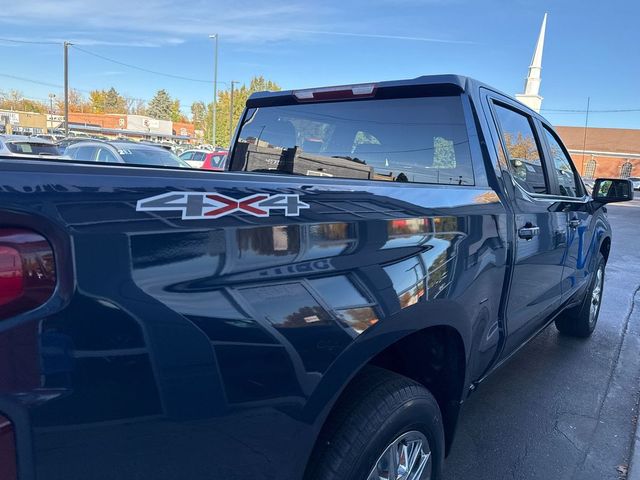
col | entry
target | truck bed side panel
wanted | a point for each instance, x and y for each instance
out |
(185, 348)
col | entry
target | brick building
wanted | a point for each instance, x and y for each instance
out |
(103, 120)
(132, 126)
(184, 129)
(607, 152)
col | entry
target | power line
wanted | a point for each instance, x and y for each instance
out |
(55, 85)
(30, 80)
(29, 42)
(112, 60)
(146, 70)
(621, 110)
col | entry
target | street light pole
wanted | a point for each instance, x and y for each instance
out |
(215, 88)
(233, 82)
(66, 88)
(50, 122)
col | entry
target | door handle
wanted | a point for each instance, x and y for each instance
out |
(575, 222)
(528, 232)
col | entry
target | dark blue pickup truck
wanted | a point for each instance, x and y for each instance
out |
(320, 311)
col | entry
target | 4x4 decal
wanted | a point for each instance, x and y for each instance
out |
(214, 205)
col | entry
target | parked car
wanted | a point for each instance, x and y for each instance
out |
(207, 159)
(179, 149)
(320, 311)
(65, 142)
(215, 160)
(123, 152)
(636, 182)
(166, 145)
(21, 145)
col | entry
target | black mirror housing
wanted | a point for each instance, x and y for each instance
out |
(610, 190)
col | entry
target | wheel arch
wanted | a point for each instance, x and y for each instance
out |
(442, 351)
(442, 370)
(605, 247)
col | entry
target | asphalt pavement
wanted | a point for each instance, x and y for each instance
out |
(564, 408)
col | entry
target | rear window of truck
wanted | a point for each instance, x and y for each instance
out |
(421, 140)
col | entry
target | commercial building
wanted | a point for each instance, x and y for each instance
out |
(18, 122)
(139, 127)
(103, 120)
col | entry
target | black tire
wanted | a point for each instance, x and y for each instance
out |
(376, 409)
(579, 321)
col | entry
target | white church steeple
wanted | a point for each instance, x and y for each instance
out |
(531, 96)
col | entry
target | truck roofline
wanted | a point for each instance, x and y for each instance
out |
(451, 83)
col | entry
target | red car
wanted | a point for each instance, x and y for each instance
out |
(205, 159)
(215, 160)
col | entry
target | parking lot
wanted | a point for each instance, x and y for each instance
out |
(564, 408)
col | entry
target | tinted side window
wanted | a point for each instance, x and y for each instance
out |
(523, 155)
(217, 160)
(562, 167)
(105, 155)
(186, 156)
(85, 154)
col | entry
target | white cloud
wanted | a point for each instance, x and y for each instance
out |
(151, 23)
(378, 35)
(86, 39)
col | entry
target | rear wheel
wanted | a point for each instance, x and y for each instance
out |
(581, 321)
(386, 426)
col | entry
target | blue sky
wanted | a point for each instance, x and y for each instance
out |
(592, 47)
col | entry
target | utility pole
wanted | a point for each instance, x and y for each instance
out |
(233, 82)
(215, 88)
(66, 88)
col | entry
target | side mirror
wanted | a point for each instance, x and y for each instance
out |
(609, 190)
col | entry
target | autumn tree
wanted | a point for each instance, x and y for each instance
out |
(11, 100)
(36, 106)
(522, 147)
(136, 106)
(97, 101)
(77, 102)
(107, 101)
(223, 107)
(14, 100)
(176, 113)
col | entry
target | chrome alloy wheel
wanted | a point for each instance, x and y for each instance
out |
(408, 457)
(596, 295)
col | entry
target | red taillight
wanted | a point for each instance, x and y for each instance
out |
(8, 467)
(335, 93)
(27, 271)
